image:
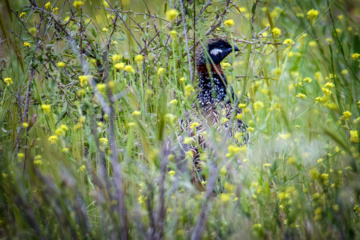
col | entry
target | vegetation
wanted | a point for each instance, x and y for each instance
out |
(91, 91)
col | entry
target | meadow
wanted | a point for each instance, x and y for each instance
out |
(91, 91)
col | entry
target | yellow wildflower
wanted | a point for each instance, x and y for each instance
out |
(26, 44)
(194, 124)
(78, 4)
(46, 108)
(160, 71)
(101, 87)
(81, 92)
(82, 168)
(301, 96)
(25, 125)
(81, 119)
(129, 68)
(174, 101)
(22, 15)
(60, 64)
(103, 141)
(276, 31)
(116, 57)
(344, 72)
(346, 115)
(142, 199)
(20, 155)
(64, 127)
(105, 29)
(225, 65)
(288, 41)
(307, 79)
(139, 58)
(225, 197)
(324, 176)
(55, 10)
(277, 71)
(169, 118)
(172, 173)
(48, 5)
(52, 139)
(258, 105)
(188, 90)
(171, 14)
(182, 79)
(83, 80)
(8, 81)
(355, 56)
(188, 140)
(354, 136)
(136, 113)
(37, 160)
(312, 14)
(119, 66)
(59, 131)
(312, 44)
(111, 84)
(229, 23)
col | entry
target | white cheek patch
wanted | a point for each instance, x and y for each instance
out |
(215, 51)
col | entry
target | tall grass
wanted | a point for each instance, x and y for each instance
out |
(90, 107)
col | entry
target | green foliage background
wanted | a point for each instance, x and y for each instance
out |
(296, 179)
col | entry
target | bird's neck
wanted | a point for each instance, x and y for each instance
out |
(212, 84)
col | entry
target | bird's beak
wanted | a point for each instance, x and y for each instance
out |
(236, 48)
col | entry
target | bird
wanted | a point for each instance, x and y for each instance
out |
(215, 102)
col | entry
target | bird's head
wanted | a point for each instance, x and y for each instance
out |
(217, 50)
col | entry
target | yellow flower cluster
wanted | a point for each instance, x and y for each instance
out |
(26, 44)
(188, 140)
(301, 96)
(258, 105)
(129, 68)
(312, 15)
(188, 90)
(346, 115)
(60, 64)
(276, 31)
(116, 57)
(229, 23)
(53, 138)
(103, 141)
(46, 108)
(78, 4)
(139, 58)
(171, 14)
(354, 136)
(83, 80)
(37, 160)
(160, 71)
(8, 81)
(119, 66)
(355, 56)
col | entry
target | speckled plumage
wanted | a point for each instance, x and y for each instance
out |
(215, 100)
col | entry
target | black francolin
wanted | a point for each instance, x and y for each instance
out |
(216, 102)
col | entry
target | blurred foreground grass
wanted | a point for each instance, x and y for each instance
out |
(74, 87)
